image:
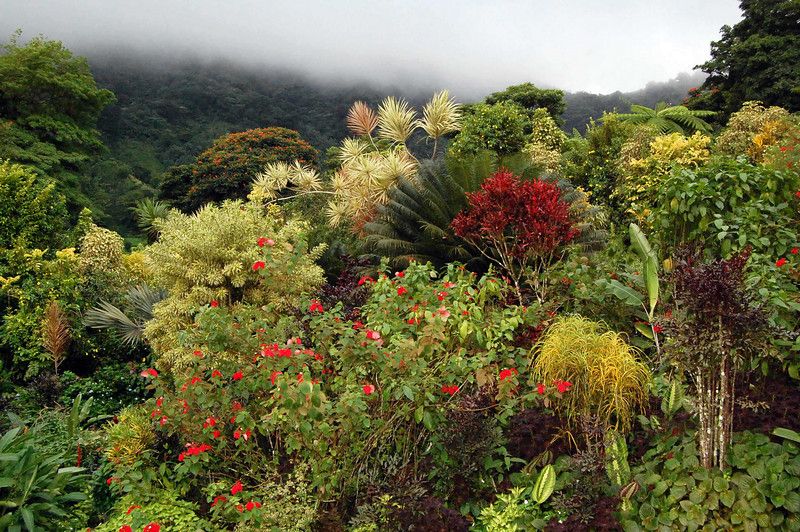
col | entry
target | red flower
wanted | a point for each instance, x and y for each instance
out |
(316, 306)
(214, 303)
(109, 480)
(210, 422)
(163, 421)
(441, 295)
(274, 376)
(259, 265)
(657, 329)
(198, 353)
(448, 284)
(795, 251)
(401, 290)
(399, 274)
(239, 434)
(450, 390)
(132, 508)
(218, 499)
(507, 373)
(413, 321)
(152, 527)
(563, 386)
(540, 388)
(373, 335)
(217, 434)
(150, 372)
(125, 528)
(797, 194)
(780, 262)
(250, 506)
(236, 488)
(160, 401)
(216, 373)
(368, 389)
(265, 241)
(365, 279)
(238, 376)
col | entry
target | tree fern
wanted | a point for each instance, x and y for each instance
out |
(675, 119)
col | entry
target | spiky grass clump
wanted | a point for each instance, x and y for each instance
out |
(609, 381)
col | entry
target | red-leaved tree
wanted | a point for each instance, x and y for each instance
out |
(521, 226)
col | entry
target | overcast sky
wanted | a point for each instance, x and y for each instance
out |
(470, 46)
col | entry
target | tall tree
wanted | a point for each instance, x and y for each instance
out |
(757, 59)
(530, 97)
(49, 106)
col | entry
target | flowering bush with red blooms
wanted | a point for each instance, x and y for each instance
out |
(330, 392)
(226, 169)
(517, 224)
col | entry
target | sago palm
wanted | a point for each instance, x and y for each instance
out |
(674, 119)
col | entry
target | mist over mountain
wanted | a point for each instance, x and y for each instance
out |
(169, 111)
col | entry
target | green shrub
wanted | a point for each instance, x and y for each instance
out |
(166, 508)
(499, 128)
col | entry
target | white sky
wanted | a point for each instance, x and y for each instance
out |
(471, 46)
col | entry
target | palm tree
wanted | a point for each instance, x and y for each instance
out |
(675, 119)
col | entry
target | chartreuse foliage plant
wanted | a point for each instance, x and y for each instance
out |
(233, 254)
(609, 380)
(759, 490)
(520, 508)
(339, 396)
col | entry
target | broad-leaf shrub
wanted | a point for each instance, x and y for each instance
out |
(499, 127)
(729, 204)
(335, 394)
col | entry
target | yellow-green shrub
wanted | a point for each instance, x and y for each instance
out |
(642, 177)
(752, 129)
(130, 436)
(209, 256)
(546, 139)
(609, 382)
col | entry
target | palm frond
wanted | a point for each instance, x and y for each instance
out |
(56, 333)
(361, 119)
(440, 116)
(395, 120)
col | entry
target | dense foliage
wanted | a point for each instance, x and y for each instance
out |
(459, 318)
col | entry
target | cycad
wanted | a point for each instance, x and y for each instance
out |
(139, 301)
(675, 119)
(414, 224)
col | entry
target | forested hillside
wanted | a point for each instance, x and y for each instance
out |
(167, 113)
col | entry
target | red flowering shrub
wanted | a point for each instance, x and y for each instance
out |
(227, 168)
(332, 393)
(517, 224)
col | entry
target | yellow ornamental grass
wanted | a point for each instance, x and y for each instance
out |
(609, 381)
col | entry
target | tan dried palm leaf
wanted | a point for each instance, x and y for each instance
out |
(361, 119)
(440, 116)
(396, 120)
(55, 334)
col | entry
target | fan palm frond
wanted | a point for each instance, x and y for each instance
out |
(148, 213)
(140, 299)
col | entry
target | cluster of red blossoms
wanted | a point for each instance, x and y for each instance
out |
(508, 373)
(192, 449)
(781, 261)
(152, 527)
(450, 390)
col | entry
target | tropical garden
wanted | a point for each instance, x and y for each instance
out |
(459, 317)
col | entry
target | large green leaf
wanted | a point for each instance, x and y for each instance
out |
(648, 256)
(625, 293)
